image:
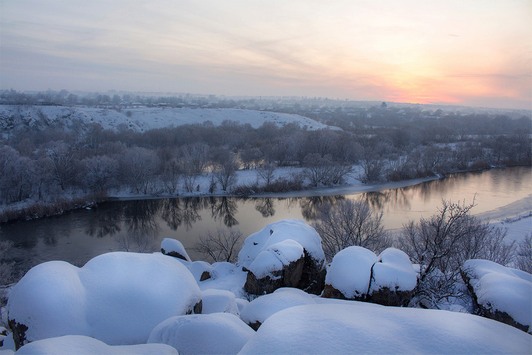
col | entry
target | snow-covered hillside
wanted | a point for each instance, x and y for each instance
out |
(142, 118)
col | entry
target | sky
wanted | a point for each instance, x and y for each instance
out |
(464, 52)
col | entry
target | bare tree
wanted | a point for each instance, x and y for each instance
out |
(222, 246)
(349, 223)
(266, 173)
(225, 173)
(524, 254)
(441, 244)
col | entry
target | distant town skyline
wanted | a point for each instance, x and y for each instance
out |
(472, 53)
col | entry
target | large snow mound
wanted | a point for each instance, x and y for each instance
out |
(501, 288)
(84, 345)
(362, 328)
(216, 333)
(261, 308)
(350, 271)
(394, 271)
(117, 297)
(281, 231)
(144, 118)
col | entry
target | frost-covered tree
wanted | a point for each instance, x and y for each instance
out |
(524, 254)
(347, 223)
(441, 243)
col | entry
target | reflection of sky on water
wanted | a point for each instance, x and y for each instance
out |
(141, 225)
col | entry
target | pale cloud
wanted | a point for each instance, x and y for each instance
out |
(431, 51)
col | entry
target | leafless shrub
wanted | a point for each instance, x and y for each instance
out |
(441, 244)
(524, 254)
(222, 246)
(348, 223)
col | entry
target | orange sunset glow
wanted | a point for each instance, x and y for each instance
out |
(449, 52)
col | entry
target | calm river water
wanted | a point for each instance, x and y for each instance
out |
(140, 225)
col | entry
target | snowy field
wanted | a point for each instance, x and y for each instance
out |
(144, 118)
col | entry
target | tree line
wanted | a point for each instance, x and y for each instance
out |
(48, 161)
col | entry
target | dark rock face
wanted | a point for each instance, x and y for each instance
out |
(174, 254)
(313, 275)
(19, 332)
(387, 297)
(487, 310)
(305, 274)
(289, 276)
(205, 275)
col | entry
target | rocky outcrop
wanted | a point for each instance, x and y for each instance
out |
(288, 276)
(283, 254)
(173, 247)
(499, 293)
(358, 274)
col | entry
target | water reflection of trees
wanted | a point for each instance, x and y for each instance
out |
(177, 212)
(224, 208)
(265, 206)
(139, 217)
(310, 206)
(103, 224)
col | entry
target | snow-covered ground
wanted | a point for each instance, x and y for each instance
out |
(119, 301)
(145, 118)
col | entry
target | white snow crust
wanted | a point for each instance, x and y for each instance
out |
(197, 268)
(218, 301)
(263, 307)
(393, 270)
(362, 328)
(173, 245)
(350, 271)
(273, 233)
(216, 333)
(84, 345)
(502, 288)
(275, 257)
(117, 297)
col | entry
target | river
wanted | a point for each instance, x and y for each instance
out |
(141, 225)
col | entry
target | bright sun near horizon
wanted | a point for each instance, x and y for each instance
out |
(475, 53)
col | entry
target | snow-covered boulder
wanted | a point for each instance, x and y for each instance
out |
(365, 328)
(261, 308)
(117, 298)
(226, 276)
(268, 253)
(393, 279)
(201, 270)
(175, 248)
(356, 273)
(216, 333)
(84, 345)
(349, 274)
(500, 292)
(219, 301)
(279, 265)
